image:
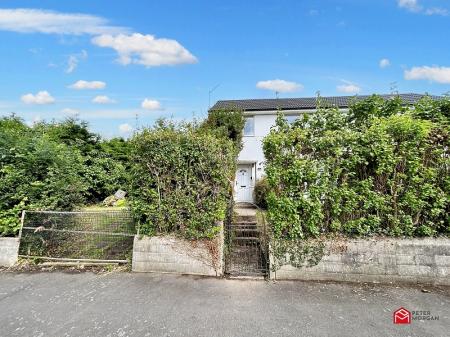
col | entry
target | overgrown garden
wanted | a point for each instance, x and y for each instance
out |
(178, 176)
(380, 168)
(55, 166)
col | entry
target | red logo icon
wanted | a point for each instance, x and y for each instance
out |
(402, 316)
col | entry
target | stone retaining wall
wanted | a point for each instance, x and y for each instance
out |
(169, 254)
(9, 250)
(380, 260)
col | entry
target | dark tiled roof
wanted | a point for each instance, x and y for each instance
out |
(304, 103)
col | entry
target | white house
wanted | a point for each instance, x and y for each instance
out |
(260, 116)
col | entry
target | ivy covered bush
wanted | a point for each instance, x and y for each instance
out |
(380, 168)
(182, 175)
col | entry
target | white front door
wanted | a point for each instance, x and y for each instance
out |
(244, 184)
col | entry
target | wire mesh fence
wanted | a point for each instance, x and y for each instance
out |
(100, 235)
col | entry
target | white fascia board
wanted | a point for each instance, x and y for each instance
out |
(285, 112)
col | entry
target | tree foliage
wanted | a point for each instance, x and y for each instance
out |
(56, 166)
(380, 168)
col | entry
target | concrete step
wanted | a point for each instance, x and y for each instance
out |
(249, 238)
(246, 234)
(245, 205)
(238, 275)
(245, 231)
(245, 222)
(244, 218)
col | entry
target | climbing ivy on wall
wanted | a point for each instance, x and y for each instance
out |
(382, 167)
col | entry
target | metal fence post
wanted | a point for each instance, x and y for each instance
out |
(22, 220)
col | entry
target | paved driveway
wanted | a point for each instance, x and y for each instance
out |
(124, 304)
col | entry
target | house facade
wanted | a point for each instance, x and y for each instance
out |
(260, 116)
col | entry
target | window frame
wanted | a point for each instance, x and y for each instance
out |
(248, 118)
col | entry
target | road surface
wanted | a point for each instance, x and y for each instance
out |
(126, 304)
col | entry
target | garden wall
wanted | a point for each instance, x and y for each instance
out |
(9, 250)
(170, 254)
(380, 260)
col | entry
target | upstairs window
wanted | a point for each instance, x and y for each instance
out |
(291, 118)
(249, 127)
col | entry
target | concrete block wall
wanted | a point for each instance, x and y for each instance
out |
(377, 260)
(9, 250)
(169, 254)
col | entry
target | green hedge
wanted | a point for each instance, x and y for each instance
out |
(380, 168)
(182, 175)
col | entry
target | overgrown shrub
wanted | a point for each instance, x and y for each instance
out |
(225, 124)
(182, 176)
(56, 166)
(380, 168)
(261, 192)
(9, 220)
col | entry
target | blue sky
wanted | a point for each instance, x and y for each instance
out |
(106, 61)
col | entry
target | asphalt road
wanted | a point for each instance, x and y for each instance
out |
(125, 304)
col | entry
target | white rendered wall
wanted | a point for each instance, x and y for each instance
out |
(252, 151)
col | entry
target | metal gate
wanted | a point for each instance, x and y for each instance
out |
(246, 244)
(76, 236)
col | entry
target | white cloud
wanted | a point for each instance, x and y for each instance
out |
(103, 100)
(36, 119)
(42, 97)
(70, 111)
(72, 63)
(348, 87)
(92, 85)
(125, 128)
(436, 11)
(384, 63)
(145, 49)
(411, 5)
(279, 85)
(133, 48)
(415, 7)
(35, 50)
(74, 59)
(25, 20)
(151, 104)
(434, 74)
(313, 12)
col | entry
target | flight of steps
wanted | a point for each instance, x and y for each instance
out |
(246, 256)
